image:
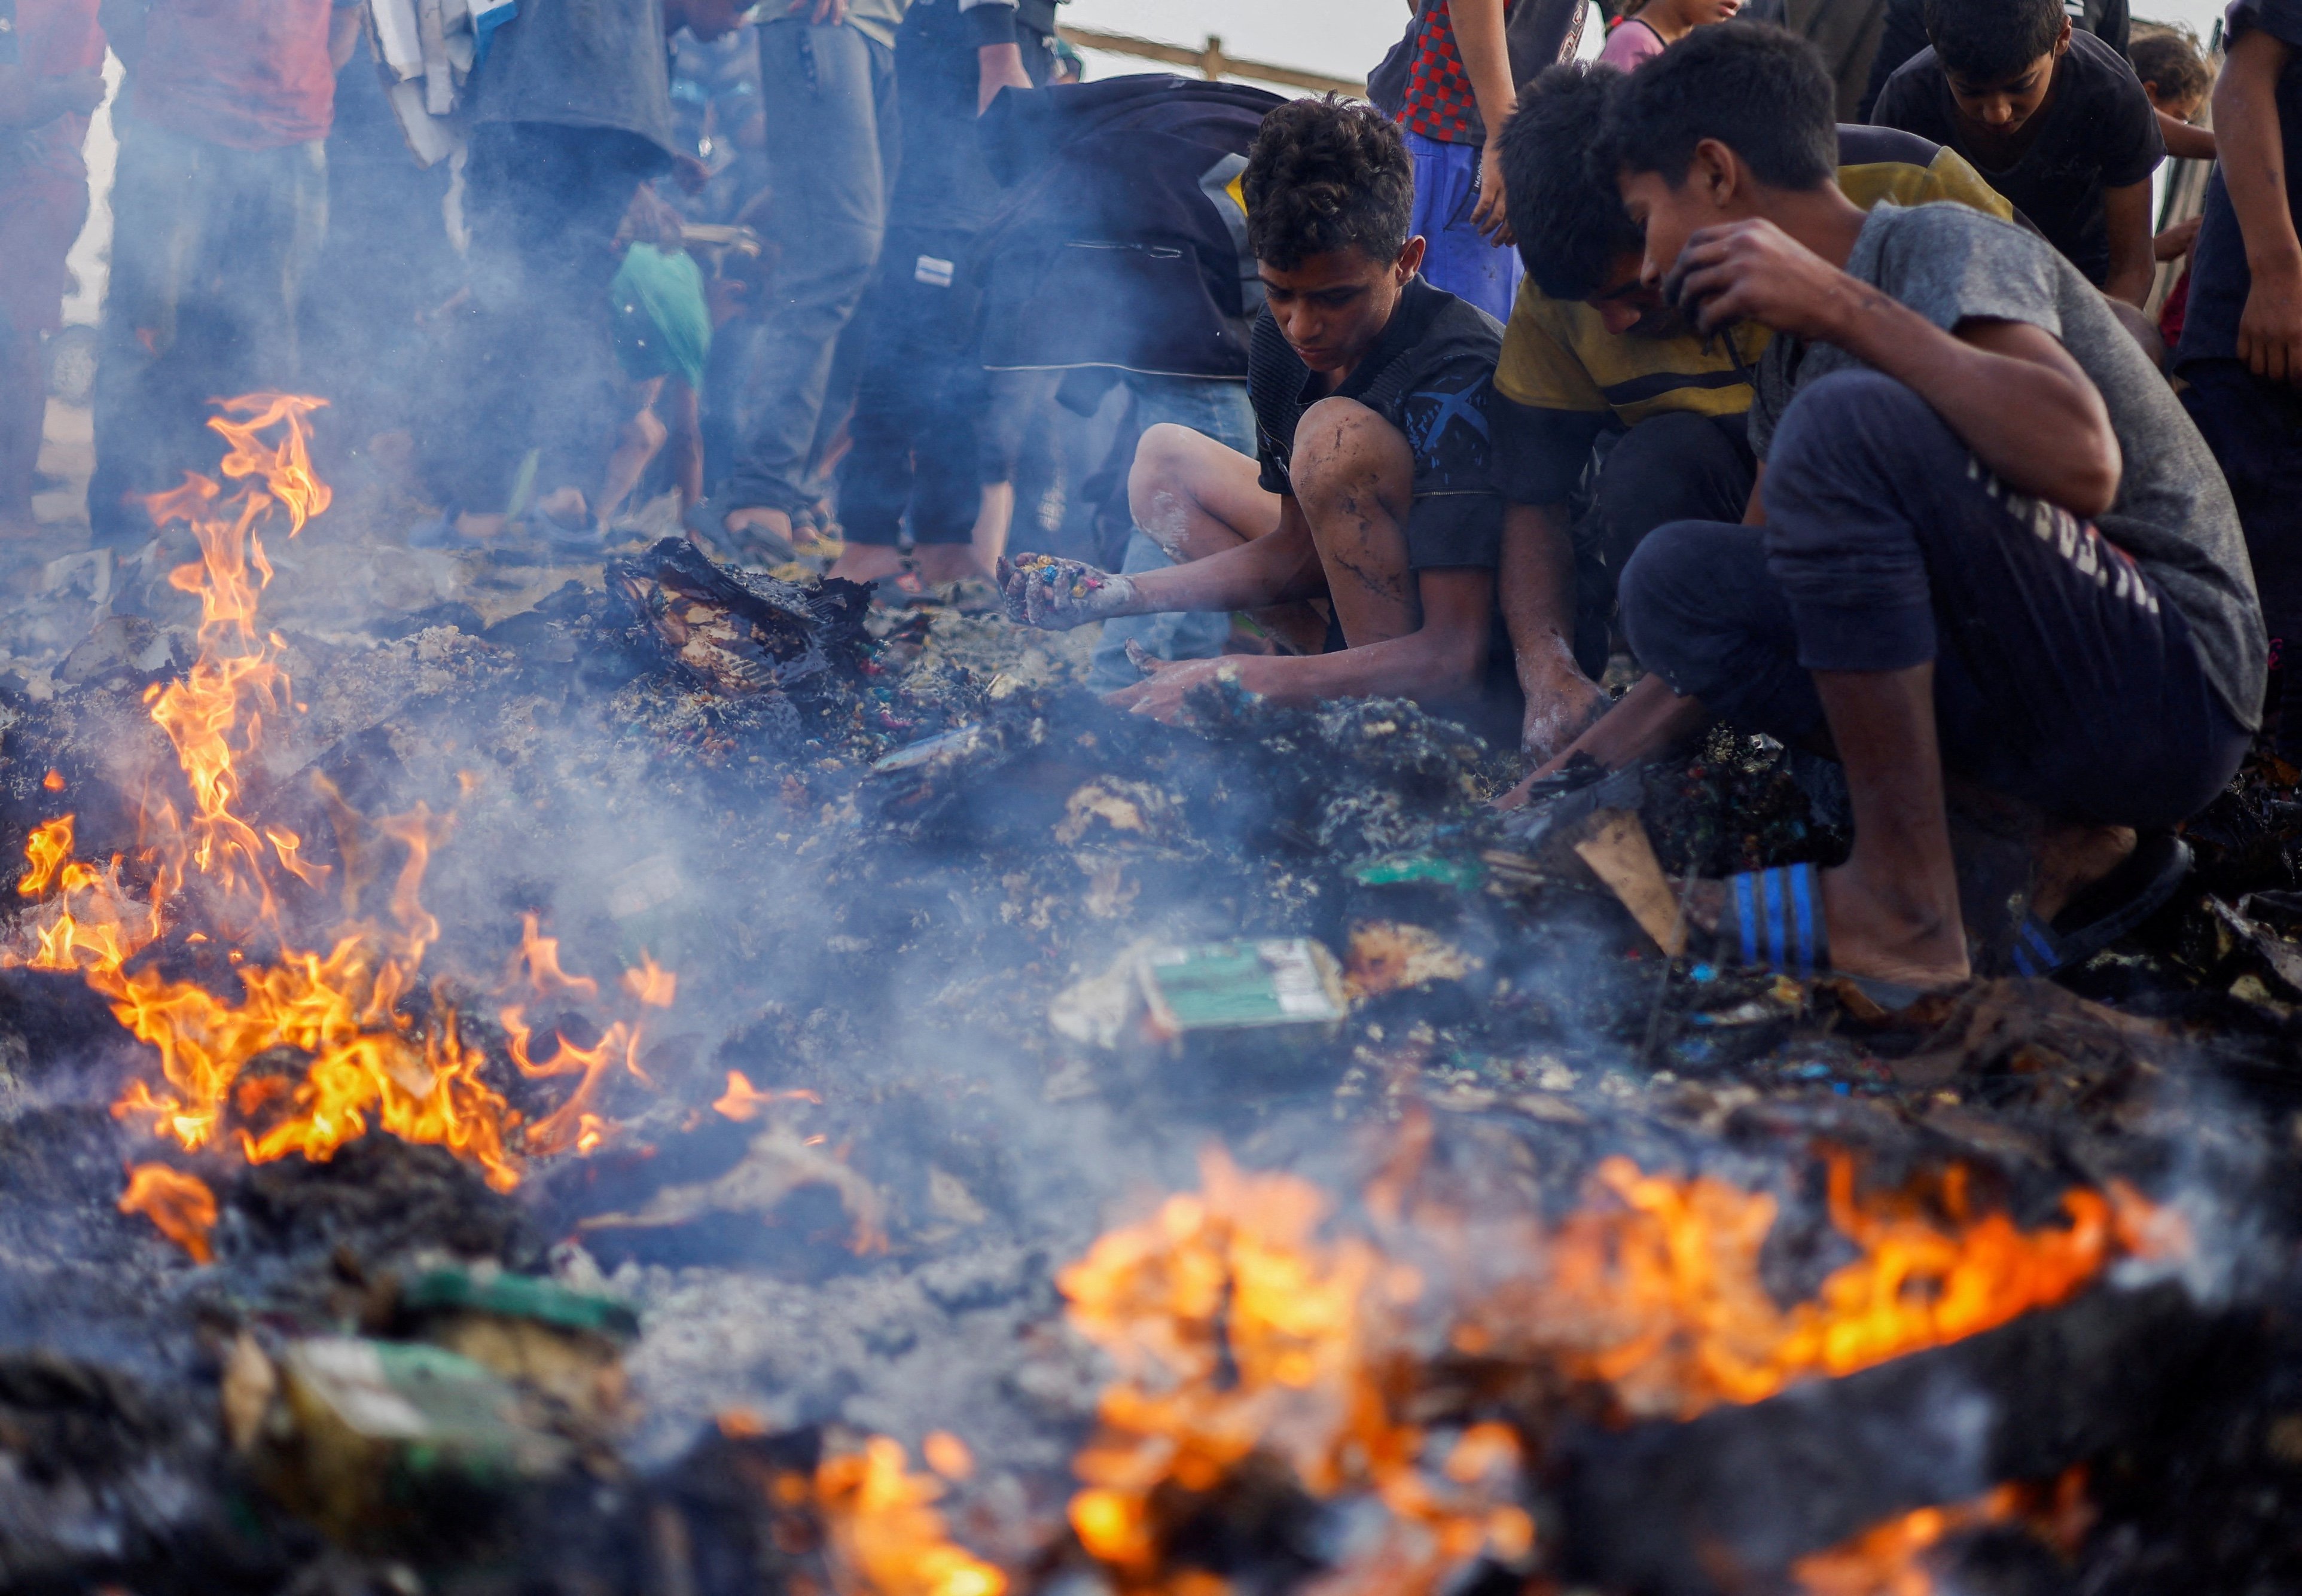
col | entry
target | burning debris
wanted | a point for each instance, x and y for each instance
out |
(688, 1081)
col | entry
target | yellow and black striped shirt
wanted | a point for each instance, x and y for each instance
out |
(1563, 377)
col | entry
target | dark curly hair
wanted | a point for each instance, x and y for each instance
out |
(1560, 182)
(1989, 41)
(1326, 175)
(1757, 89)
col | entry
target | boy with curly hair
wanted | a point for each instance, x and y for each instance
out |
(1364, 533)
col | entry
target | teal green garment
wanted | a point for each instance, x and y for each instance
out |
(663, 328)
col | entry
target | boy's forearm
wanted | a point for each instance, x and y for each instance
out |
(2184, 142)
(1479, 35)
(1537, 585)
(2041, 431)
(2247, 133)
(1276, 568)
(2133, 262)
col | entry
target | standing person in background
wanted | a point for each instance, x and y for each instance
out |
(1459, 94)
(49, 84)
(1651, 27)
(2178, 79)
(2054, 119)
(918, 463)
(1905, 35)
(2241, 349)
(828, 84)
(573, 112)
(220, 205)
(1846, 32)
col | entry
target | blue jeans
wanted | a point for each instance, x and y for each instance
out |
(829, 93)
(1220, 410)
(1456, 257)
(2062, 677)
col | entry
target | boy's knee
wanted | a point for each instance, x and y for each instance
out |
(1859, 409)
(1668, 592)
(1341, 440)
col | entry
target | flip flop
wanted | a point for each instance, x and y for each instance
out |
(707, 518)
(2144, 882)
(1774, 921)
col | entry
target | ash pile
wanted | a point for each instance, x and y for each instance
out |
(716, 1086)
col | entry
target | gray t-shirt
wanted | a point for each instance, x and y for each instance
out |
(582, 63)
(1952, 264)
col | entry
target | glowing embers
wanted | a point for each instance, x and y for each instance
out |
(886, 1538)
(1240, 1334)
(1892, 1558)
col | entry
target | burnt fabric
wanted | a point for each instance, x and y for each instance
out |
(2064, 676)
(2096, 131)
(1122, 242)
(1429, 375)
(535, 365)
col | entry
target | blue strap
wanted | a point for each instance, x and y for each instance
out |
(2036, 952)
(1779, 913)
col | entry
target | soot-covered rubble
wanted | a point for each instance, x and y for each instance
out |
(879, 848)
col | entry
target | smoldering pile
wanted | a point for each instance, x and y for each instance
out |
(962, 959)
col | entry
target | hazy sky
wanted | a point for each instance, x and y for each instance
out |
(1348, 37)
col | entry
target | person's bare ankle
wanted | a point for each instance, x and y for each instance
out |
(759, 517)
(1880, 931)
(2071, 858)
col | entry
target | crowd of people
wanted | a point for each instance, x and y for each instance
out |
(1795, 350)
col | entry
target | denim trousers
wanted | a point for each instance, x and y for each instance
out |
(829, 92)
(1220, 409)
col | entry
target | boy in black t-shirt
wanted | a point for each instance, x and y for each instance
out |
(2056, 121)
(1369, 507)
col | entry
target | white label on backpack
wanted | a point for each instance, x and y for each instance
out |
(934, 273)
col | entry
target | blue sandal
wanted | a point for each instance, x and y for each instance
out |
(2144, 882)
(1774, 921)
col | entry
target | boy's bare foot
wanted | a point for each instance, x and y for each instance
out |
(760, 518)
(1908, 945)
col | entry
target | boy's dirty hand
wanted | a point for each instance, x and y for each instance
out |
(1754, 271)
(1161, 694)
(1058, 594)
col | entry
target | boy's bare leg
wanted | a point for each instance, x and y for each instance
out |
(1195, 498)
(1892, 910)
(1354, 475)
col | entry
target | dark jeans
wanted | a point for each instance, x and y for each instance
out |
(2061, 677)
(829, 92)
(1677, 467)
(533, 362)
(2254, 428)
(212, 247)
(923, 401)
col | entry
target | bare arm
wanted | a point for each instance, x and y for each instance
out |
(343, 33)
(1536, 592)
(2185, 142)
(1644, 722)
(2133, 264)
(2254, 166)
(997, 67)
(1440, 663)
(1480, 35)
(1276, 568)
(2010, 391)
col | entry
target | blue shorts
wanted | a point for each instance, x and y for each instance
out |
(1456, 259)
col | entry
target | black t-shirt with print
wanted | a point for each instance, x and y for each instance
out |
(1431, 375)
(2098, 132)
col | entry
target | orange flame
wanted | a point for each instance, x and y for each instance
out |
(363, 1061)
(539, 956)
(1889, 1558)
(743, 1101)
(181, 1204)
(656, 987)
(1237, 1330)
(887, 1537)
